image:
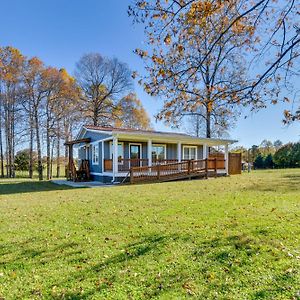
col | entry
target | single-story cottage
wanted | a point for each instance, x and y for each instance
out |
(114, 154)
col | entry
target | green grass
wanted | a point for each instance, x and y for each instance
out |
(225, 238)
(24, 174)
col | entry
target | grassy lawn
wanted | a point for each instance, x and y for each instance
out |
(226, 238)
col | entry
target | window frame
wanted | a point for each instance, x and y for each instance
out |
(190, 147)
(95, 154)
(159, 145)
(111, 152)
(135, 144)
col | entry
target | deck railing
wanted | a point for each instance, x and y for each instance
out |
(124, 164)
(177, 170)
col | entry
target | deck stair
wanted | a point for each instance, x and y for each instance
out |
(82, 174)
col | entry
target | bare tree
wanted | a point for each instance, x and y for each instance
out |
(11, 66)
(102, 81)
(36, 91)
(196, 123)
(1, 140)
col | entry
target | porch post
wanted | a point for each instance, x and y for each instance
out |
(115, 157)
(179, 156)
(205, 151)
(149, 153)
(226, 160)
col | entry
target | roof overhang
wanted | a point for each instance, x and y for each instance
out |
(79, 141)
(158, 138)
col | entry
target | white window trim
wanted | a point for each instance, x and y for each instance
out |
(163, 145)
(136, 144)
(111, 151)
(95, 145)
(196, 152)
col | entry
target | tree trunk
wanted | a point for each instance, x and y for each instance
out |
(13, 140)
(1, 153)
(51, 160)
(48, 140)
(38, 145)
(8, 140)
(95, 116)
(1, 141)
(30, 143)
(208, 123)
(67, 137)
(198, 126)
(58, 152)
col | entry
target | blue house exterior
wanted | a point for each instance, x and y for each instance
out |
(111, 152)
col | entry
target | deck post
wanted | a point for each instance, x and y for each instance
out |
(149, 153)
(158, 172)
(226, 160)
(206, 167)
(189, 167)
(131, 175)
(115, 157)
(216, 169)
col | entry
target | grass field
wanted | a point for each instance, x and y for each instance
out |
(226, 238)
(24, 174)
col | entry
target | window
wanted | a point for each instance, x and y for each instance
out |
(120, 150)
(189, 152)
(95, 154)
(158, 152)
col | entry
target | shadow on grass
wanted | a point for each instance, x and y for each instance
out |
(147, 245)
(30, 187)
(233, 257)
(100, 276)
(226, 257)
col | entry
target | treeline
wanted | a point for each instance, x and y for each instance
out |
(41, 106)
(270, 155)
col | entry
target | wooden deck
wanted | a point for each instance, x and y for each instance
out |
(178, 170)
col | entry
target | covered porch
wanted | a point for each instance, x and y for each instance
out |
(83, 172)
(122, 156)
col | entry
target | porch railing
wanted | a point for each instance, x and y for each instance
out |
(124, 165)
(177, 170)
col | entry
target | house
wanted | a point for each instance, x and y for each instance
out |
(113, 154)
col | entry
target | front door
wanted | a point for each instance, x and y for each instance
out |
(135, 155)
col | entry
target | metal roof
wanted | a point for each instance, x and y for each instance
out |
(155, 134)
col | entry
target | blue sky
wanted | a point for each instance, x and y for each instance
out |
(60, 31)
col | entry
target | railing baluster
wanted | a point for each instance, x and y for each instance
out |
(174, 170)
